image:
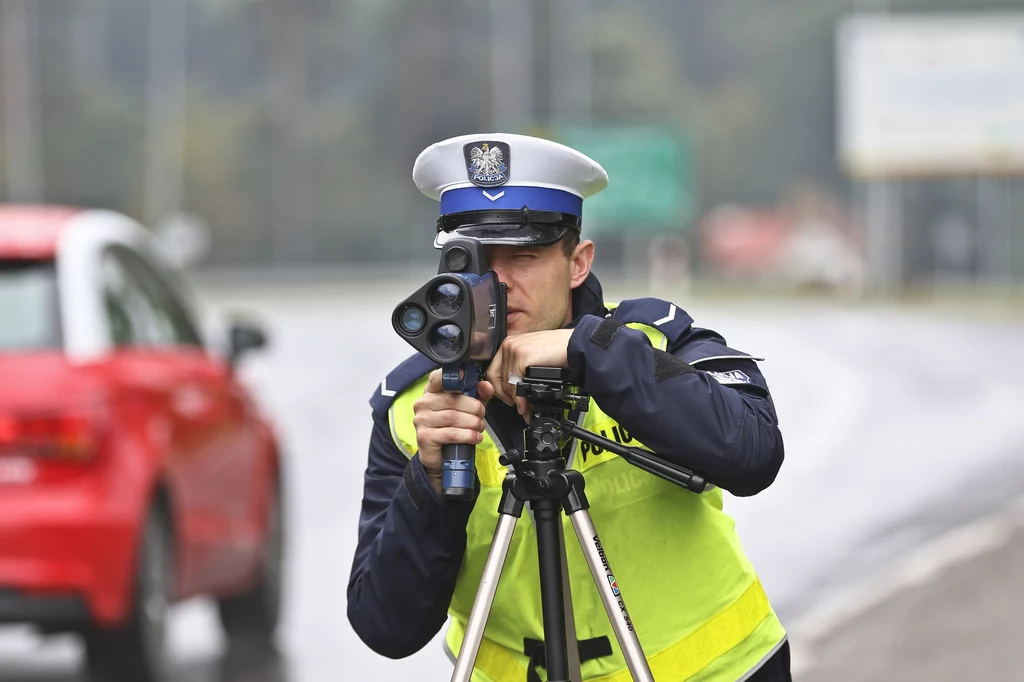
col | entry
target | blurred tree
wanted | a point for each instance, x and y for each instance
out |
(288, 106)
(304, 117)
(226, 147)
(19, 99)
(637, 75)
(764, 74)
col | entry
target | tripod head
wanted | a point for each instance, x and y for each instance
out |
(551, 398)
(548, 388)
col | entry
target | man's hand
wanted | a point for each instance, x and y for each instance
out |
(442, 418)
(532, 349)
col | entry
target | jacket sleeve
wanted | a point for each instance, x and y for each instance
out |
(718, 420)
(410, 548)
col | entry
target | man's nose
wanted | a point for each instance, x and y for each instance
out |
(500, 272)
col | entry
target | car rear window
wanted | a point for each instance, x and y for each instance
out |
(28, 305)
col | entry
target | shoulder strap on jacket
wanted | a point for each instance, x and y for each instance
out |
(673, 322)
(399, 379)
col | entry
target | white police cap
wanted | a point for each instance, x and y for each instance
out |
(507, 189)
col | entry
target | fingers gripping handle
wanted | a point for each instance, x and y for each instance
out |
(458, 478)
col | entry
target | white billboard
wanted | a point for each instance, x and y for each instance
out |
(930, 94)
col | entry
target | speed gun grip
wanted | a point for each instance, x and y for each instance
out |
(458, 477)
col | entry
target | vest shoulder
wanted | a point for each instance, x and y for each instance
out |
(692, 344)
(666, 317)
(400, 378)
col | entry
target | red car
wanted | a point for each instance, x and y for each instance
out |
(135, 469)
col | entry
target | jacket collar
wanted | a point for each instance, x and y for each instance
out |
(587, 299)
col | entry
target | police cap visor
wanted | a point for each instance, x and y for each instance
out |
(511, 228)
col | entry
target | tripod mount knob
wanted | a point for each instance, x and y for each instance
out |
(545, 438)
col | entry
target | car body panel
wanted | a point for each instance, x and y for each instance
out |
(172, 422)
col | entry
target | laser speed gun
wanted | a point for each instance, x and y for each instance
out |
(458, 320)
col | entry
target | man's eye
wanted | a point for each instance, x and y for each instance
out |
(525, 256)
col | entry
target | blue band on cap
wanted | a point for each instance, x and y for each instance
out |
(534, 198)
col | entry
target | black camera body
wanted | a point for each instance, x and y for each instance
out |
(459, 315)
(457, 319)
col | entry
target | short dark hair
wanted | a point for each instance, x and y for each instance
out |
(569, 242)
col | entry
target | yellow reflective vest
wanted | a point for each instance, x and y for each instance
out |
(699, 610)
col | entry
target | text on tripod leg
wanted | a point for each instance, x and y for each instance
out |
(613, 585)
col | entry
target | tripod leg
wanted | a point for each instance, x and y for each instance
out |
(547, 519)
(485, 595)
(614, 605)
(572, 644)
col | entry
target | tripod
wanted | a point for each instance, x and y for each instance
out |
(539, 477)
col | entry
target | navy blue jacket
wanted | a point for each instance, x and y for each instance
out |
(701, 405)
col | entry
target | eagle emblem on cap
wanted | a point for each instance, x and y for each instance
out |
(488, 163)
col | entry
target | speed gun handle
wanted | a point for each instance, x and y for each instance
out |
(458, 477)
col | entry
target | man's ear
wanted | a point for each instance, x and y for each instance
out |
(579, 263)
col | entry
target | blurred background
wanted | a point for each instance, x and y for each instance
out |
(835, 185)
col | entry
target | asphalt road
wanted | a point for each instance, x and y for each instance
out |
(900, 423)
(960, 623)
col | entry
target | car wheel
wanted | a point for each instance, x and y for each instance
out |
(135, 651)
(255, 613)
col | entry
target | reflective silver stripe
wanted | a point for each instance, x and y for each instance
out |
(764, 660)
(497, 442)
(575, 442)
(394, 433)
(726, 357)
(448, 651)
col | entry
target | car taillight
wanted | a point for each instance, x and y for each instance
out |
(64, 436)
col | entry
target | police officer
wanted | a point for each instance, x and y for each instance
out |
(655, 379)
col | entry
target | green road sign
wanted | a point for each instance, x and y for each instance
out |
(650, 178)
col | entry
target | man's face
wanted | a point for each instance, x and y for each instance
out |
(540, 280)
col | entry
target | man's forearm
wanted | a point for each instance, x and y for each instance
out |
(406, 565)
(681, 413)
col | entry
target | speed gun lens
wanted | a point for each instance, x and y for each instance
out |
(446, 342)
(412, 319)
(445, 299)
(457, 258)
